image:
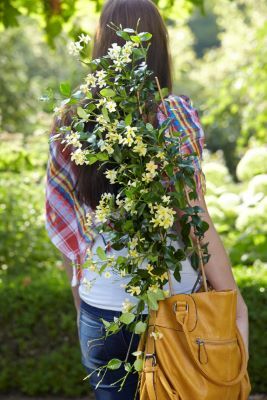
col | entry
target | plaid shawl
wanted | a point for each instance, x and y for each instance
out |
(66, 216)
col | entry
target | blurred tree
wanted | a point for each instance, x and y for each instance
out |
(54, 14)
(233, 80)
(29, 67)
(205, 28)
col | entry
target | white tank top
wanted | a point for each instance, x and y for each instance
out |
(109, 293)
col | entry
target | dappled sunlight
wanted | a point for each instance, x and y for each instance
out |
(223, 70)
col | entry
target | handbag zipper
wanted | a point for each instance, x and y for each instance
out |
(202, 351)
(214, 341)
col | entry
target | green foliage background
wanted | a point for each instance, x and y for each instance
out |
(224, 74)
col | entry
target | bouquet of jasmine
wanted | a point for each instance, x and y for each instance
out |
(146, 164)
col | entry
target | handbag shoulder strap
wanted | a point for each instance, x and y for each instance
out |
(150, 366)
(198, 246)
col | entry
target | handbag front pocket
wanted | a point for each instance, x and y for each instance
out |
(221, 358)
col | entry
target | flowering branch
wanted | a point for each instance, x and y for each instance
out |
(145, 160)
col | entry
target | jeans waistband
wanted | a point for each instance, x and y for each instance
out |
(99, 312)
(102, 312)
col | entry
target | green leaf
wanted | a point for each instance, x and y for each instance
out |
(102, 269)
(204, 226)
(141, 209)
(127, 318)
(169, 262)
(128, 367)
(144, 36)
(65, 89)
(101, 253)
(137, 353)
(149, 127)
(193, 195)
(138, 364)
(128, 226)
(105, 323)
(91, 158)
(121, 260)
(82, 113)
(91, 139)
(159, 295)
(164, 92)
(128, 30)
(114, 328)
(77, 95)
(90, 107)
(123, 35)
(104, 63)
(140, 306)
(190, 181)
(105, 114)
(102, 156)
(169, 170)
(135, 38)
(176, 273)
(9, 15)
(128, 119)
(186, 230)
(152, 301)
(79, 126)
(118, 246)
(194, 260)
(198, 210)
(157, 187)
(107, 92)
(140, 327)
(113, 364)
(179, 255)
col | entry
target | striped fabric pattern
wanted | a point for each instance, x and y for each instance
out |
(66, 215)
(185, 119)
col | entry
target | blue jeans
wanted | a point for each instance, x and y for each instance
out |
(97, 351)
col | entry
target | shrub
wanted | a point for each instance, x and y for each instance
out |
(258, 184)
(253, 282)
(216, 173)
(249, 239)
(39, 345)
(228, 203)
(254, 162)
(253, 217)
(239, 212)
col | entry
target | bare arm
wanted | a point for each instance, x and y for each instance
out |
(76, 297)
(218, 269)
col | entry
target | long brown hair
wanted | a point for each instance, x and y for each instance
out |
(91, 181)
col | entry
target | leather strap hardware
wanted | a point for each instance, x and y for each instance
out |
(153, 356)
(180, 305)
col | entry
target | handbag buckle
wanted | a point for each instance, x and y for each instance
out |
(153, 356)
(175, 305)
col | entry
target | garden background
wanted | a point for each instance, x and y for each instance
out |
(219, 49)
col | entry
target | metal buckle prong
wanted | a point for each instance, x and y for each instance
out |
(153, 356)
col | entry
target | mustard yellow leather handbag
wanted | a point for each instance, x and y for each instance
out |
(193, 349)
